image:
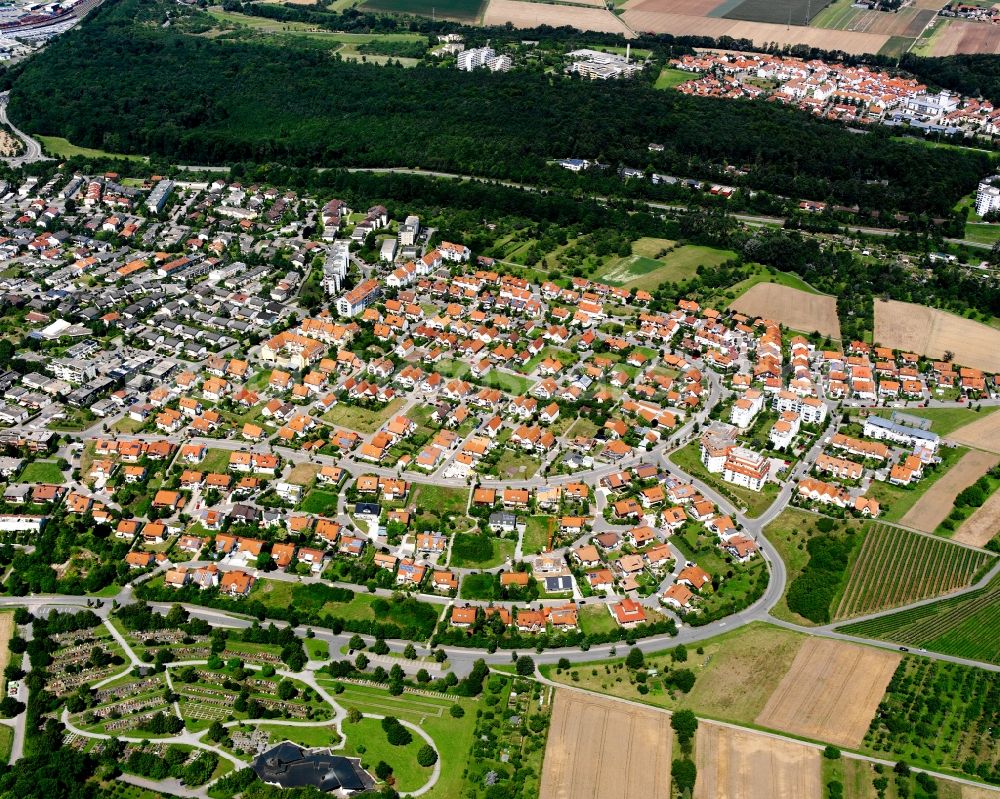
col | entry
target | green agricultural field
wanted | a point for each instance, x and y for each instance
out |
(42, 472)
(362, 420)
(461, 10)
(941, 716)
(479, 551)
(965, 626)
(896, 567)
(943, 420)
(777, 12)
(641, 271)
(755, 502)
(537, 533)
(61, 148)
(670, 78)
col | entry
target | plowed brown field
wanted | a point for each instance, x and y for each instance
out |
(831, 692)
(794, 308)
(601, 748)
(740, 764)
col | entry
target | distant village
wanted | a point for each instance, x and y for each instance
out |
(855, 95)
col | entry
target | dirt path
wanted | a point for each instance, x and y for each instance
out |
(739, 764)
(605, 749)
(932, 508)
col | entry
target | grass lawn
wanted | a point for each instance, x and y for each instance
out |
(320, 502)
(517, 465)
(734, 674)
(536, 534)
(315, 737)
(6, 741)
(462, 10)
(362, 420)
(441, 499)
(127, 425)
(303, 473)
(62, 148)
(316, 649)
(643, 272)
(75, 419)
(584, 428)
(897, 500)
(943, 420)
(216, 460)
(596, 620)
(789, 533)
(755, 502)
(42, 472)
(452, 737)
(670, 78)
(505, 381)
(478, 551)
(982, 233)
(367, 740)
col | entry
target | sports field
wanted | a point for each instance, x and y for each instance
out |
(796, 309)
(896, 567)
(831, 692)
(928, 331)
(600, 747)
(965, 626)
(741, 764)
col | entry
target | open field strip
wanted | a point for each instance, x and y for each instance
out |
(982, 525)
(936, 503)
(796, 309)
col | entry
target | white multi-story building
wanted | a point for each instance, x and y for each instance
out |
(988, 196)
(469, 60)
(746, 468)
(746, 408)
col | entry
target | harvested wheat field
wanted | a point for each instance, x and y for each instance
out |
(930, 332)
(932, 508)
(605, 749)
(982, 434)
(693, 8)
(831, 692)
(664, 21)
(530, 15)
(982, 525)
(740, 764)
(794, 308)
(963, 36)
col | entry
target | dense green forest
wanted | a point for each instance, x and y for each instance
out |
(124, 83)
